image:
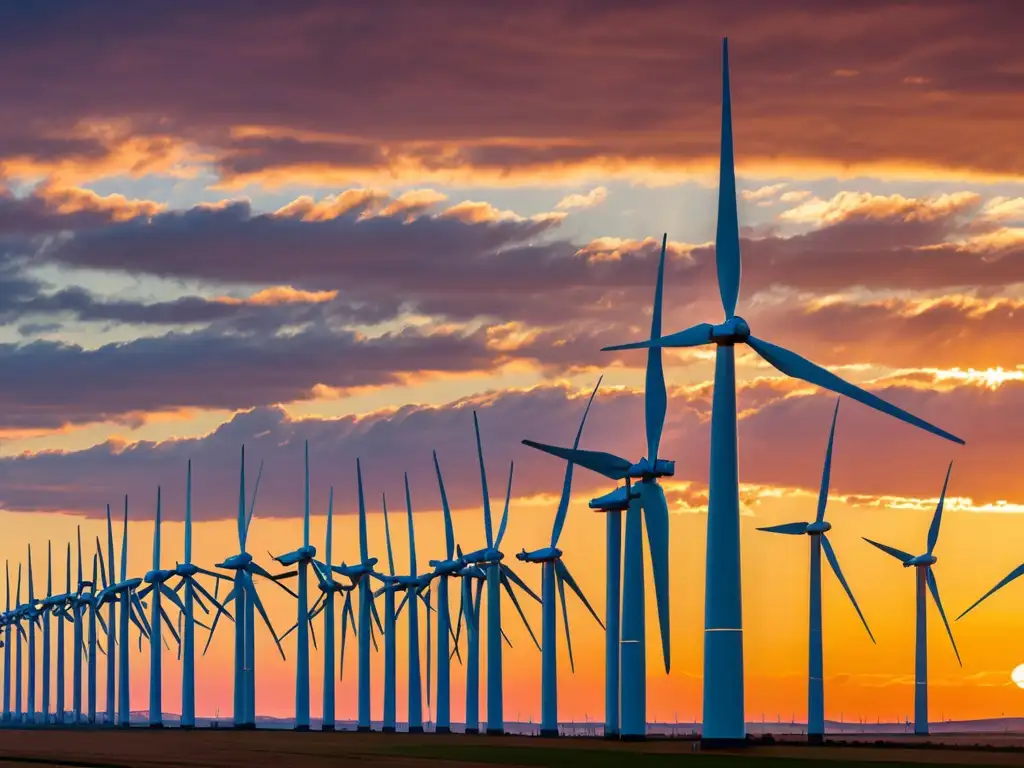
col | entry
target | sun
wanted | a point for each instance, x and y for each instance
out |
(1018, 676)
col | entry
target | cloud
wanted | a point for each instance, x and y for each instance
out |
(533, 113)
(762, 193)
(778, 425)
(596, 196)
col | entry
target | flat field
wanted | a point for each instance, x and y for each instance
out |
(171, 748)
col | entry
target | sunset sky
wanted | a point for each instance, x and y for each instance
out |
(263, 223)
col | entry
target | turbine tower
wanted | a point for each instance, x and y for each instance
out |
(187, 573)
(643, 500)
(923, 565)
(17, 659)
(88, 603)
(47, 609)
(328, 589)
(556, 572)
(33, 618)
(111, 626)
(723, 620)
(156, 580)
(302, 557)
(7, 646)
(499, 576)
(390, 650)
(819, 541)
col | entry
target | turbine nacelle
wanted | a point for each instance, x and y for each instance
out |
(545, 555)
(448, 567)
(473, 572)
(236, 562)
(483, 556)
(357, 571)
(617, 500)
(924, 559)
(822, 527)
(186, 569)
(735, 330)
(305, 553)
(408, 582)
(157, 576)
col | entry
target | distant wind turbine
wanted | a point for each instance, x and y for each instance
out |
(923, 565)
(819, 541)
(555, 572)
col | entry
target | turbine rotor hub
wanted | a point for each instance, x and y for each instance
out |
(735, 330)
(822, 527)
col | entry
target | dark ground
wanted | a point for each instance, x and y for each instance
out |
(204, 748)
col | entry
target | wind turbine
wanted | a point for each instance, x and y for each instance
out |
(189, 584)
(360, 574)
(47, 609)
(390, 583)
(247, 601)
(444, 570)
(32, 615)
(87, 603)
(555, 572)
(302, 557)
(7, 646)
(643, 500)
(498, 575)
(17, 659)
(61, 605)
(819, 541)
(472, 578)
(157, 579)
(923, 564)
(723, 621)
(328, 589)
(78, 643)
(413, 584)
(130, 610)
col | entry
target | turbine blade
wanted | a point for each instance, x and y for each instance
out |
(834, 562)
(252, 502)
(449, 533)
(519, 582)
(799, 367)
(606, 464)
(656, 519)
(483, 484)
(565, 618)
(899, 554)
(934, 587)
(387, 526)
(364, 553)
(564, 575)
(504, 515)
(515, 601)
(694, 336)
(172, 596)
(401, 605)
(563, 502)
(727, 234)
(790, 529)
(826, 473)
(933, 530)
(655, 394)
(1014, 574)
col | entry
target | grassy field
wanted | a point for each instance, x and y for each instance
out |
(144, 748)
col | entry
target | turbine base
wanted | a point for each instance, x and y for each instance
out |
(495, 731)
(632, 737)
(472, 731)
(442, 729)
(156, 725)
(415, 729)
(722, 743)
(245, 726)
(815, 738)
(186, 727)
(301, 727)
(610, 734)
(549, 733)
(387, 729)
(362, 729)
(326, 727)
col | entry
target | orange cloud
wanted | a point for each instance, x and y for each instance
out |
(864, 205)
(596, 196)
(279, 295)
(69, 200)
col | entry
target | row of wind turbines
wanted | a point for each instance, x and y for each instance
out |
(637, 496)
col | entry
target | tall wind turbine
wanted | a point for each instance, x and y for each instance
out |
(47, 610)
(111, 625)
(499, 576)
(555, 572)
(723, 619)
(328, 588)
(360, 574)
(247, 601)
(187, 573)
(443, 570)
(643, 500)
(130, 609)
(61, 611)
(390, 648)
(302, 557)
(33, 618)
(88, 602)
(923, 564)
(7, 646)
(156, 580)
(17, 659)
(819, 541)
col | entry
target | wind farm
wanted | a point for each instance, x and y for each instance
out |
(411, 637)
